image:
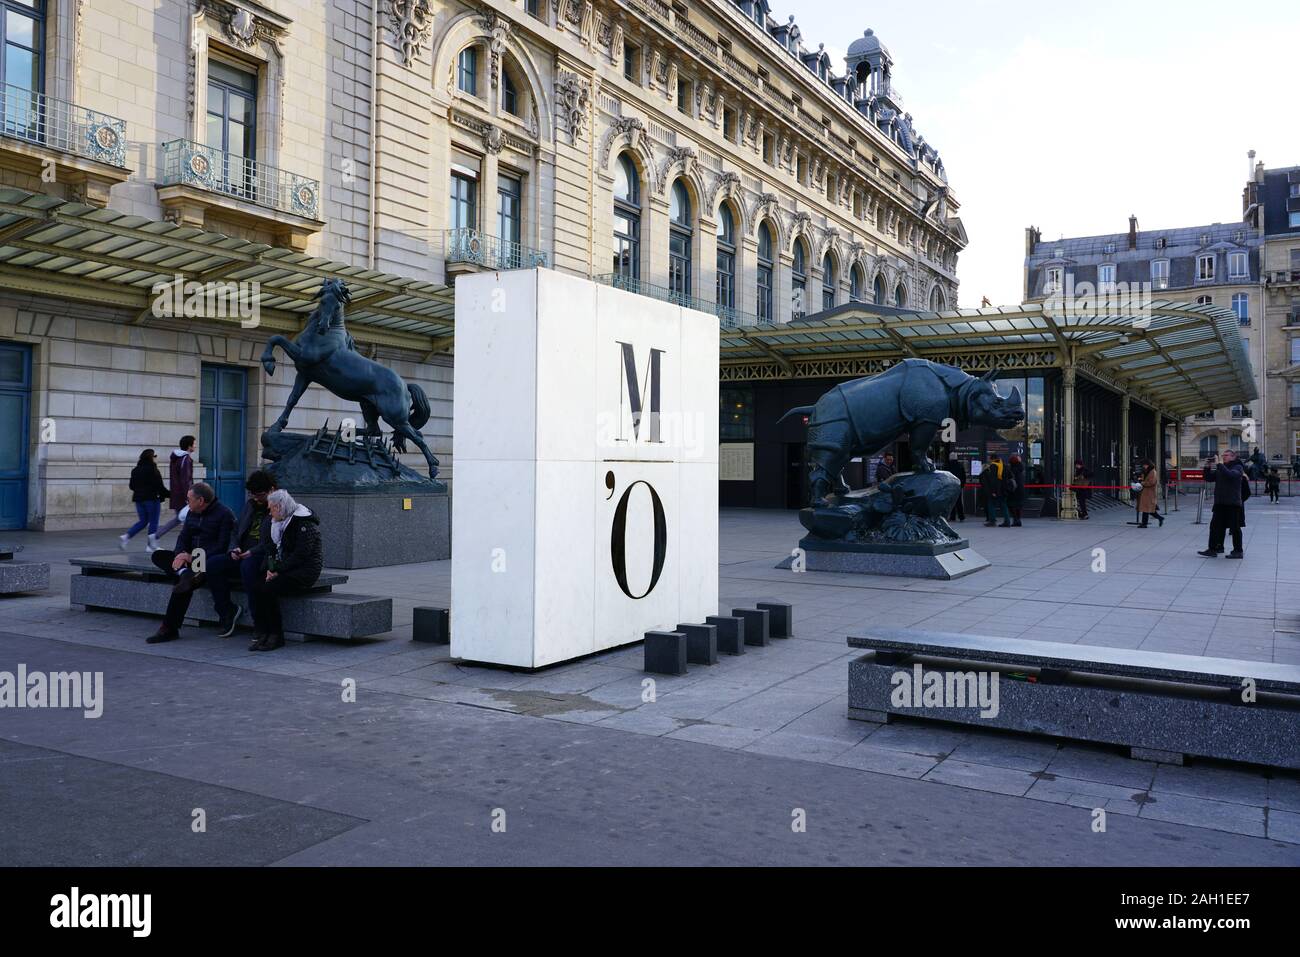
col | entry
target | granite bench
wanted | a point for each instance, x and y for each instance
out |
(17, 577)
(1160, 706)
(133, 583)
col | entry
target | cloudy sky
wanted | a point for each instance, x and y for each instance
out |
(1072, 120)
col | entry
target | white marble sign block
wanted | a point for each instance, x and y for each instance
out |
(581, 516)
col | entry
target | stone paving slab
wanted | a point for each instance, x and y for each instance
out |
(786, 701)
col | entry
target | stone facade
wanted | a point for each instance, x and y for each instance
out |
(1170, 262)
(368, 100)
(1272, 201)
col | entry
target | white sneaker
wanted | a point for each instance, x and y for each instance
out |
(151, 546)
(122, 542)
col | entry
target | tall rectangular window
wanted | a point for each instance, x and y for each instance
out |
(1241, 306)
(467, 71)
(510, 190)
(1204, 268)
(1160, 273)
(1053, 281)
(736, 414)
(1237, 266)
(769, 149)
(632, 62)
(232, 125)
(1106, 274)
(685, 93)
(21, 31)
(1295, 349)
(464, 199)
(729, 124)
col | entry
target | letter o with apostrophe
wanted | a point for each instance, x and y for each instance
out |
(618, 540)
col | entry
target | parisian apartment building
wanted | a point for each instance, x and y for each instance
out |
(1244, 267)
(703, 152)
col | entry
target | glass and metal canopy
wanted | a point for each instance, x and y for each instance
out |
(57, 248)
(1176, 357)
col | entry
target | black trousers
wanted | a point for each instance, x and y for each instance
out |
(219, 567)
(958, 509)
(1225, 518)
(265, 603)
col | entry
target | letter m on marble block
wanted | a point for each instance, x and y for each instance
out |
(586, 450)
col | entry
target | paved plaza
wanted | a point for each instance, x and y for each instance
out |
(711, 771)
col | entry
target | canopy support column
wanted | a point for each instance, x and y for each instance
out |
(1068, 508)
(1124, 465)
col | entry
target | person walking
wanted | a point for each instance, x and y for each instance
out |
(993, 482)
(1080, 488)
(147, 492)
(248, 548)
(954, 466)
(182, 479)
(208, 530)
(1273, 484)
(1148, 500)
(1227, 514)
(1016, 489)
(293, 564)
(886, 468)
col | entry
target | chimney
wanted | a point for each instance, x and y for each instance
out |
(1132, 232)
(1250, 165)
(1033, 236)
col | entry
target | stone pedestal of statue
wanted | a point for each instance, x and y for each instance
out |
(373, 510)
(899, 528)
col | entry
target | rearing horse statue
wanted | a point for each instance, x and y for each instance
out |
(324, 353)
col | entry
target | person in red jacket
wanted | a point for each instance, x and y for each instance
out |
(182, 480)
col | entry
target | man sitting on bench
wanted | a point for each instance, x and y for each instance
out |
(210, 527)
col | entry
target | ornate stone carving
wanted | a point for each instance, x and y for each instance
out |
(685, 155)
(616, 41)
(493, 139)
(573, 96)
(626, 131)
(724, 184)
(241, 27)
(411, 22)
(497, 29)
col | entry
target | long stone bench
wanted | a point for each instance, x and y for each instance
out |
(17, 577)
(133, 583)
(1161, 706)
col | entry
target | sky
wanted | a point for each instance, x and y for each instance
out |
(1071, 118)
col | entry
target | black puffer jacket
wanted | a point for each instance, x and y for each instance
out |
(300, 555)
(147, 484)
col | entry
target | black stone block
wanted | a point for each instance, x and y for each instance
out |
(701, 644)
(780, 618)
(756, 625)
(432, 625)
(731, 633)
(665, 652)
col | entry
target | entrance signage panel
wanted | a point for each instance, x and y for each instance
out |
(585, 467)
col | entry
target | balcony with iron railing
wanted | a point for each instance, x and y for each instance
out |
(87, 148)
(728, 317)
(476, 249)
(199, 182)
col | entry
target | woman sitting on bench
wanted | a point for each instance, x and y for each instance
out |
(293, 563)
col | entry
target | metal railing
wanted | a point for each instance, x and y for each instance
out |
(728, 317)
(44, 121)
(186, 163)
(465, 245)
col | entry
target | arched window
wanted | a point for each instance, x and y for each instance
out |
(855, 283)
(878, 291)
(829, 281)
(467, 71)
(799, 280)
(679, 241)
(627, 219)
(510, 99)
(726, 257)
(937, 303)
(765, 273)
(900, 296)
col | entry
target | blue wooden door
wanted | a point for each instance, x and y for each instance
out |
(15, 406)
(221, 431)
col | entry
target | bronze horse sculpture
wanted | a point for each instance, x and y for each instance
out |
(325, 354)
